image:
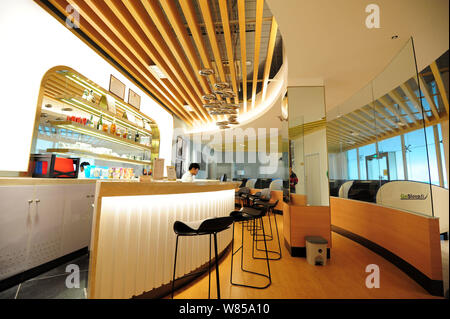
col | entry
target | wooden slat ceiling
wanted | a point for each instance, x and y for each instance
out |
(181, 37)
(398, 112)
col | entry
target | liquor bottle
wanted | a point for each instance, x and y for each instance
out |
(100, 123)
(137, 138)
(130, 136)
(113, 127)
(91, 121)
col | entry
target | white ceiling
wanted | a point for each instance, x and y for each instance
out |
(327, 41)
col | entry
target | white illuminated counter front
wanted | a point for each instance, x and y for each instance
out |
(133, 242)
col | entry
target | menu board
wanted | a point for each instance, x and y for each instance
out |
(158, 168)
(134, 99)
(116, 87)
(171, 173)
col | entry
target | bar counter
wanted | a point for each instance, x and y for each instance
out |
(132, 241)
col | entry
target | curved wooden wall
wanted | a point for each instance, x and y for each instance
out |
(413, 239)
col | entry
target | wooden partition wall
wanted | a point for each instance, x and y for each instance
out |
(410, 241)
(300, 221)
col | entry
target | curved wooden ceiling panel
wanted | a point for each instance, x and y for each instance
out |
(180, 38)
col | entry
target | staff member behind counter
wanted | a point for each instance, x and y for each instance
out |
(189, 176)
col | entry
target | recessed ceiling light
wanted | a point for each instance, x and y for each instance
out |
(49, 106)
(188, 108)
(394, 37)
(158, 71)
(67, 109)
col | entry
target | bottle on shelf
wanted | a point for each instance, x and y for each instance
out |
(100, 123)
(113, 127)
(125, 133)
(130, 136)
(91, 121)
(137, 138)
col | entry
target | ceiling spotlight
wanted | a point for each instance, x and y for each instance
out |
(206, 72)
(394, 37)
(233, 122)
(67, 109)
(354, 133)
(223, 127)
(188, 108)
(209, 97)
(222, 123)
(158, 71)
(222, 85)
(49, 106)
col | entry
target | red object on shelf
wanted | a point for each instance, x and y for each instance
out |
(51, 166)
(64, 165)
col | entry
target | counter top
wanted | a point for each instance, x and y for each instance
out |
(161, 187)
(15, 181)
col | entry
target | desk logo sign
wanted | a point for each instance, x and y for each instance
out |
(413, 197)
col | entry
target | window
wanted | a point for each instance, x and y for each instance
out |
(416, 156)
(352, 164)
(363, 152)
(393, 145)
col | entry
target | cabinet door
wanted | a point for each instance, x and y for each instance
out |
(15, 225)
(46, 233)
(78, 212)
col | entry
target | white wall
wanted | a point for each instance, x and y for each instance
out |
(32, 43)
(316, 142)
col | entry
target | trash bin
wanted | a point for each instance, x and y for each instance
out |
(316, 250)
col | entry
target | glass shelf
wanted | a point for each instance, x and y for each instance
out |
(105, 157)
(94, 109)
(69, 125)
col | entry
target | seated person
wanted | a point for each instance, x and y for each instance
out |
(189, 176)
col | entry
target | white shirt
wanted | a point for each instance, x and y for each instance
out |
(188, 177)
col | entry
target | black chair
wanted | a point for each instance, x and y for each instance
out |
(242, 195)
(249, 215)
(210, 226)
(263, 196)
(270, 211)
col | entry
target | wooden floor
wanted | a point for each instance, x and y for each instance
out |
(344, 275)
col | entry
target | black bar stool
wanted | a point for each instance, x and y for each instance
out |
(243, 196)
(209, 226)
(262, 196)
(249, 214)
(270, 211)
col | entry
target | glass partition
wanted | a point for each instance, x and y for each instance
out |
(384, 143)
(308, 146)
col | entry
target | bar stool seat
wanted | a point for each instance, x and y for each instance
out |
(209, 226)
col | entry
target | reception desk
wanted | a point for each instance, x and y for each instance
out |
(133, 243)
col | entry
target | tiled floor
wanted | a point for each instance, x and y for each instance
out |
(52, 284)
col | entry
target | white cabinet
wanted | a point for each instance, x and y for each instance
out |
(46, 233)
(39, 223)
(15, 228)
(78, 212)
